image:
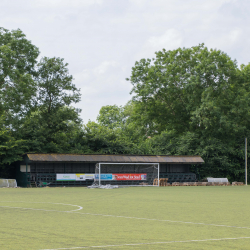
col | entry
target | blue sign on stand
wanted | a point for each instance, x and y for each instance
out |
(104, 177)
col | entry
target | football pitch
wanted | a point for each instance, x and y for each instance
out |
(215, 217)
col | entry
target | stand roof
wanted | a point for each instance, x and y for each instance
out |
(168, 159)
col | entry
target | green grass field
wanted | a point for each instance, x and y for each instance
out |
(125, 218)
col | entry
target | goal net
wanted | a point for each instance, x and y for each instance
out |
(126, 174)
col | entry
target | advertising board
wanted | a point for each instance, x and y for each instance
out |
(129, 177)
(104, 177)
(84, 177)
(65, 177)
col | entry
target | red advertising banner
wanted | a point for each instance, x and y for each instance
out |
(129, 177)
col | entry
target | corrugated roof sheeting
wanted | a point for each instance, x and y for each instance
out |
(115, 158)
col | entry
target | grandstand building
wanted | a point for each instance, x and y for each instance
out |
(77, 169)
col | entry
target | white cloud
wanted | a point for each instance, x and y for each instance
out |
(102, 39)
(169, 40)
(234, 35)
(104, 66)
(64, 3)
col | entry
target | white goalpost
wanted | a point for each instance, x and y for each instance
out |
(126, 174)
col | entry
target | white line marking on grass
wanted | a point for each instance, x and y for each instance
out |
(79, 207)
(171, 221)
(151, 243)
(125, 217)
(37, 209)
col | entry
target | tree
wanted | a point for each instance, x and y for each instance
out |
(117, 120)
(62, 137)
(17, 92)
(104, 140)
(194, 101)
(55, 87)
(48, 128)
(35, 101)
(17, 61)
(111, 116)
(10, 148)
(171, 87)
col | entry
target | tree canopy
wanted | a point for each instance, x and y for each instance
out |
(35, 101)
(171, 89)
(187, 101)
(194, 101)
(17, 68)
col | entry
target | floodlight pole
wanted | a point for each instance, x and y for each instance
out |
(27, 173)
(158, 174)
(245, 161)
(99, 174)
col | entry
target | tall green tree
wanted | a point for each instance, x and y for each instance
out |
(56, 91)
(17, 92)
(35, 101)
(194, 101)
(55, 85)
(17, 61)
(52, 126)
(171, 87)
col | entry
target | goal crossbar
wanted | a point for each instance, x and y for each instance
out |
(112, 163)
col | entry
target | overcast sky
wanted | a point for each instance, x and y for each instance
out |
(102, 39)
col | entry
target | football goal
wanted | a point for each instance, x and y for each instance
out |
(127, 174)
